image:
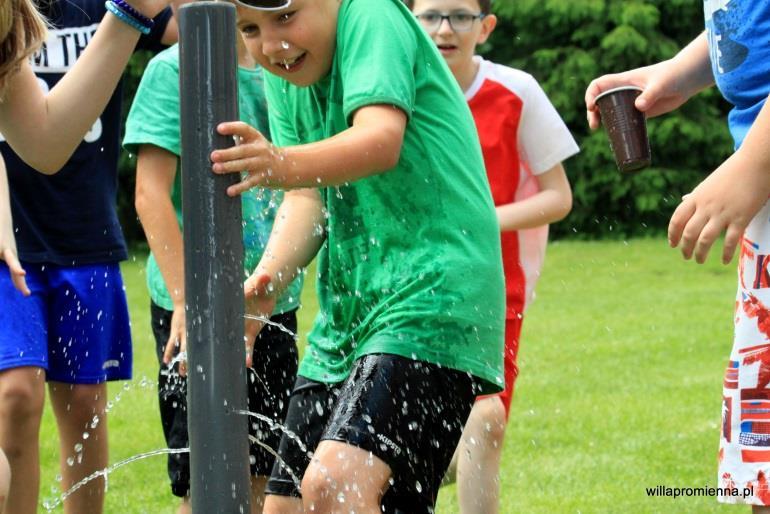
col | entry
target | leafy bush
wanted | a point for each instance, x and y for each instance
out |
(565, 44)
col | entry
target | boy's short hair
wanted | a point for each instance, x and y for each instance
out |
(484, 5)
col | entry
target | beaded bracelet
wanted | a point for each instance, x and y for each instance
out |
(130, 10)
(127, 18)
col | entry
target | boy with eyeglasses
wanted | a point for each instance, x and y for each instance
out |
(386, 183)
(524, 141)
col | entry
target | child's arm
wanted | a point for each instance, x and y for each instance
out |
(666, 85)
(727, 199)
(370, 146)
(552, 203)
(45, 129)
(155, 174)
(298, 232)
(7, 239)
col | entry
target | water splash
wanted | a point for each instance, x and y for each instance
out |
(179, 357)
(49, 506)
(279, 460)
(275, 426)
(267, 321)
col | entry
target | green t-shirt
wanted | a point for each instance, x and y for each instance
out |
(154, 119)
(411, 265)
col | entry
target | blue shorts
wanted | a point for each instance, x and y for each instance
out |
(74, 325)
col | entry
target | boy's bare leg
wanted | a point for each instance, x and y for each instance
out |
(478, 458)
(185, 507)
(275, 504)
(5, 479)
(22, 395)
(75, 406)
(341, 469)
(258, 493)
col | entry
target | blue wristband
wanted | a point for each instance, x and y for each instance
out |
(130, 10)
(126, 18)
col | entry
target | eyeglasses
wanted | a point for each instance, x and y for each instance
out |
(265, 5)
(458, 21)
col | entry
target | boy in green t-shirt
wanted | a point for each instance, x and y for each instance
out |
(152, 131)
(410, 283)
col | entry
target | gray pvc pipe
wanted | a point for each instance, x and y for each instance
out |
(213, 257)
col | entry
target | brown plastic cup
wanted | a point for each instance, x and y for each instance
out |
(626, 127)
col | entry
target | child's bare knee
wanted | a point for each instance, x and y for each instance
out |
(495, 423)
(325, 488)
(317, 487)
(22, 401)
(81, 399)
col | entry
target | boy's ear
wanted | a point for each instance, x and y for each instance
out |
(488, 24)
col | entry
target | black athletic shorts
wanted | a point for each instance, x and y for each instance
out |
(269, 385)
(408, 413)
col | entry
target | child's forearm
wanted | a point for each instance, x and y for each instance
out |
(298, 232)
(165, 240)
(372, 145)
(7, 239)
(60, 119)
(155, 173)
(540, 209)
(552, 203)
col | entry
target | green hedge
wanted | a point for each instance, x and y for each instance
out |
(565, 44)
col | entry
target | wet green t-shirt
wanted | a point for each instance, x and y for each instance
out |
(154, 119)
(411, 265)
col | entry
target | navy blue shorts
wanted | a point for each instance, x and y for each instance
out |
(74, 325)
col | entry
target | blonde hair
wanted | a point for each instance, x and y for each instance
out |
(22, 31)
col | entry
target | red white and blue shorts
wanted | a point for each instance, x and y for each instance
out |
(744, 448)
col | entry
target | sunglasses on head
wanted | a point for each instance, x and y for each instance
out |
(265, 5)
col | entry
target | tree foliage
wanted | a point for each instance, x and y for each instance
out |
(565, 44)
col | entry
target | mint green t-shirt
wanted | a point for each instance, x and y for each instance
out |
(411, 265)
(154, 119)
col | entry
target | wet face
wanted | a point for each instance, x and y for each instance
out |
(296, 43)
(457, 44)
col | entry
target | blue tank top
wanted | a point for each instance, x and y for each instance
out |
(738, 33)
(70, 218)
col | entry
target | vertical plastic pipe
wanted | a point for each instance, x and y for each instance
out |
(213, 243)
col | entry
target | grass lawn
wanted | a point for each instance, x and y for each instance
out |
(621, 367)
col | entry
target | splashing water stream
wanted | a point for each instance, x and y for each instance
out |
(49, 506)
(267, 321)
